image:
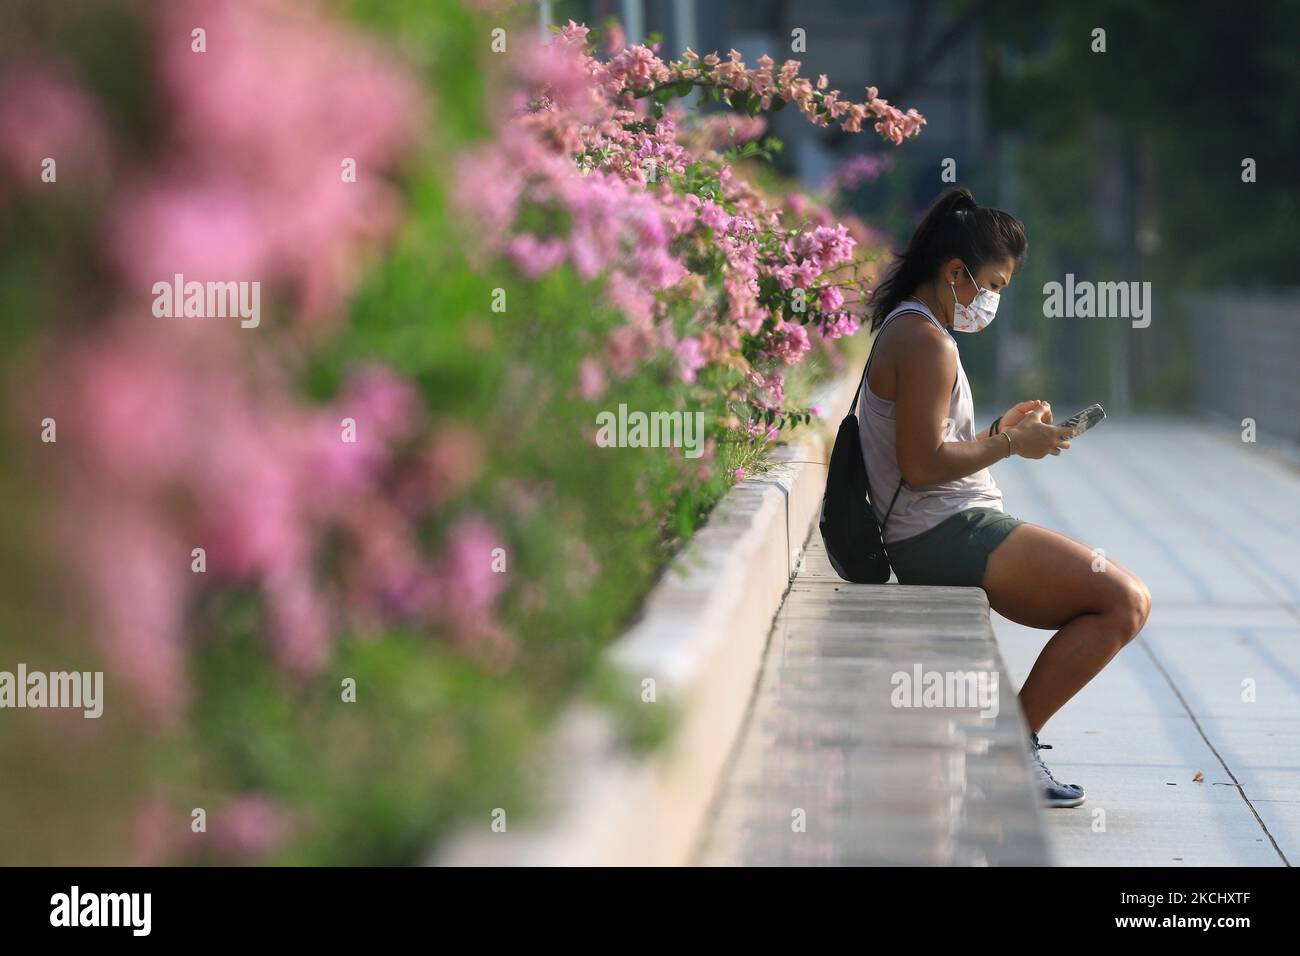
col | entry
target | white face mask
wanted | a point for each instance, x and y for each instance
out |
(977, 315)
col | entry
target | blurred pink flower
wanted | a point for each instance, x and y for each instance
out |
(830, 298)
(791, 342)
(535, 257)
(205, 230)
(158, 830)
(859, 169)
(300, 629)
(576, 33)
(269, 125)
(690, 358)
(386, 407)
(713, 215)
(591, 379)
(135, 574)
(838, 325)
(470, 586)
(249, 827)
(46, 113)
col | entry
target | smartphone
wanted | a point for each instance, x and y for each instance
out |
(1085, 419)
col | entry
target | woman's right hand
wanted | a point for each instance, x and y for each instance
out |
(1035, 438)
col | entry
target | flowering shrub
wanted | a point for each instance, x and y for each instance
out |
(386, 486)
(592, 171)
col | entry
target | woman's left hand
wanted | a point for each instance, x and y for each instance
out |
(1014, 415)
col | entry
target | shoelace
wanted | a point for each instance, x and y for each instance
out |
(1039, 760)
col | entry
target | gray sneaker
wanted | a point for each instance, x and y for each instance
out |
(1053, 792)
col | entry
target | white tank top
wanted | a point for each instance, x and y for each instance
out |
(919, 509)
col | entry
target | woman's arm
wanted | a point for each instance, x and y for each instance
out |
(927, 366)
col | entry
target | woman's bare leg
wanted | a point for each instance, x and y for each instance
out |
(1043, 579)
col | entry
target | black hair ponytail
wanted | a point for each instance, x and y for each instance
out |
(954, 226)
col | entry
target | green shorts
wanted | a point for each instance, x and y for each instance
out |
(952, 553)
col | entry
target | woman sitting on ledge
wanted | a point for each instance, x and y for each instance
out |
(947, 525)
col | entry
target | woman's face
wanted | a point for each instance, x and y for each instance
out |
(993, 276)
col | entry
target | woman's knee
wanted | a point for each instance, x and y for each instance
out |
(1131, 604)
(1145, 594)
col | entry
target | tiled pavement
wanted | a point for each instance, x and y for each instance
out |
(1212, 685)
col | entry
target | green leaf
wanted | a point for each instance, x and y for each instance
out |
(778, 104)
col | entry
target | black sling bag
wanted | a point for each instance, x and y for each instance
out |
(848, 523)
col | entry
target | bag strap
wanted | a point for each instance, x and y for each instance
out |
(870, 356)
(891, 501)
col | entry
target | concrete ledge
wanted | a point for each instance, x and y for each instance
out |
(875, 780)
(701, 638)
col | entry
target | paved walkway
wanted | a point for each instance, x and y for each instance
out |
(1213, 526)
